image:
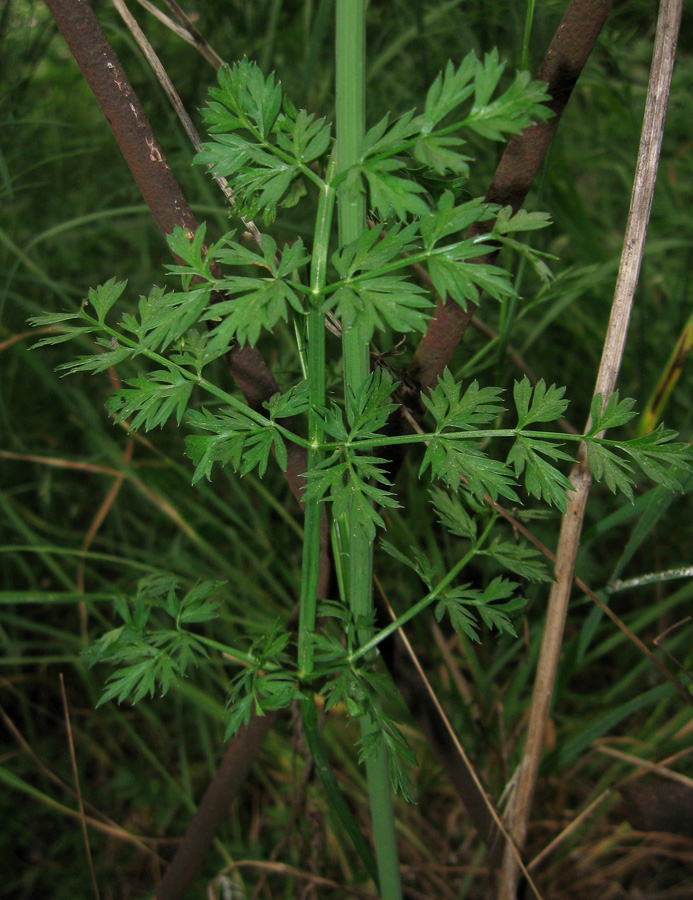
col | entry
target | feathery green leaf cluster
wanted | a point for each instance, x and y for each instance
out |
(151, 657)
(231, 292)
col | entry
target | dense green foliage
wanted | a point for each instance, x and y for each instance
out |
(176, 557)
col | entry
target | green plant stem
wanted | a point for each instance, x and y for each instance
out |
(529, 18)
(316, 388)
(351, 102)
(315, 339)
(327, 776)
(482, 434)
(462, 249)
(229, 651)
(430, 598)
(351, 117)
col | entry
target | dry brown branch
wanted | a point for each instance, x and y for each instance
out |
(569, 539)
(240, 756)
(568, 52)
(199, 41)
(177, 104)
(147, 162)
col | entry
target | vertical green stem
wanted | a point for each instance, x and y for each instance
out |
(351, 116)
(351, 121)
(315, 338)
(315, 341)
(529, 18)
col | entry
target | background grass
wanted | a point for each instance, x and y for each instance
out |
(72, 218)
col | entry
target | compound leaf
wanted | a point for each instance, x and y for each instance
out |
(155, 397)
(538, 404)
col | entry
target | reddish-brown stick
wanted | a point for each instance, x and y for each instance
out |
(568, 52)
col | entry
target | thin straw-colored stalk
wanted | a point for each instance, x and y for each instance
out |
(569, 539)
(186, 30)
(78, 787)
(177, 104)
(351, 116)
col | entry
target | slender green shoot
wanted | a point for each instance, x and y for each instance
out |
(350, 125)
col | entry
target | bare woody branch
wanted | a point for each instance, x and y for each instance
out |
(566, 57)
(569, 539)
(162, 194)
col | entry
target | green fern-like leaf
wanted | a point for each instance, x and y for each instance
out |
(154, 398)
